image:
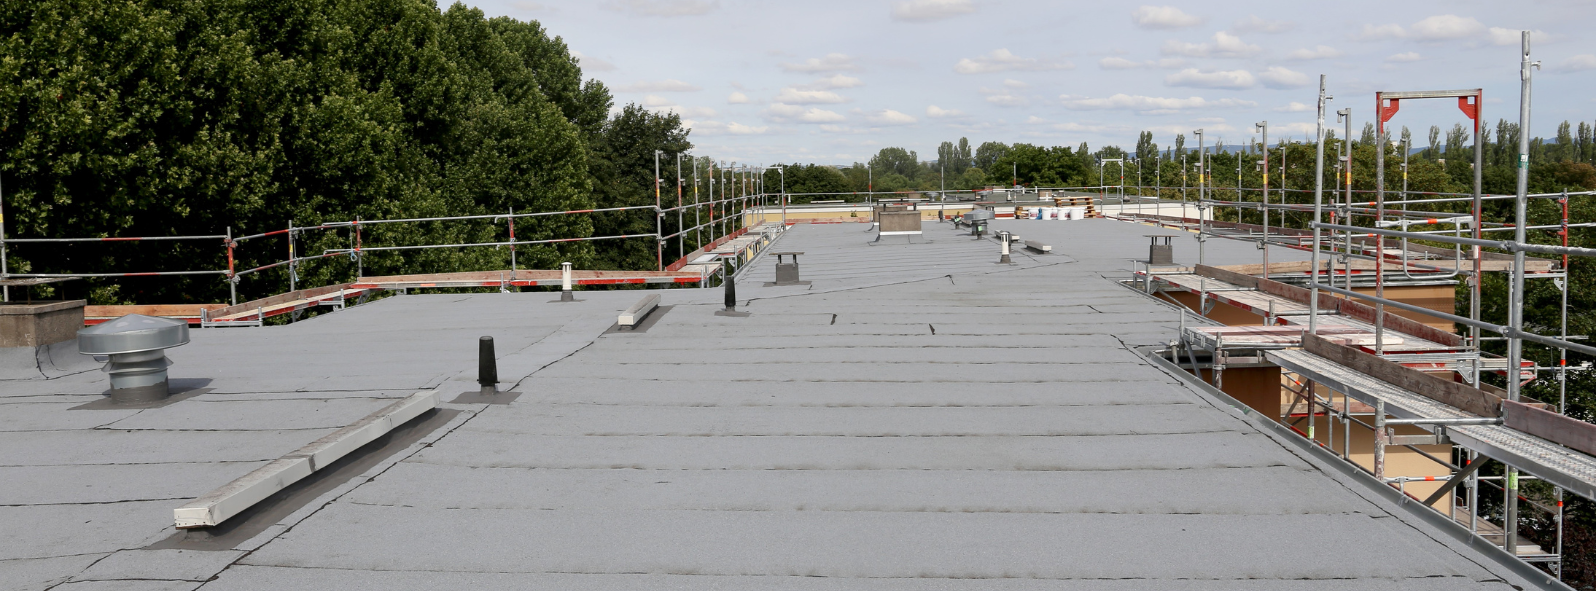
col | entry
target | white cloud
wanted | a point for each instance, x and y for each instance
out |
(936, 112)
(740, 129)
(1008, 100)
(1378, 32)
(1087, 127)
(1581, 62)
(1234, 79)
(890, 117)
(836, 81)
(660, 104)
(591, 63)
(1501, 36)
(663, 7)
(1012, 83)
(1148, 105)
(1445, 27)
(1448, 27)
(930, 10)
(1224, 45)
(718, 128)
(1119, 63)
(793, 113)
(1296, 107)
(833, 62)
(1002, 60)
(1319, 52)
(738, 98)
(1034, 120)
(808, 97)
(1253, 24)
(1411, 56)
(659, 86)
(1163, 17)
(1278, 77)
(688, 112)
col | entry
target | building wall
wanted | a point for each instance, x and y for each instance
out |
(1441, 298)
(1226, 315)
(1263, 389)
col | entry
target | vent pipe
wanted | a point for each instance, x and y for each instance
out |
(134, 345)
(565, 283)
(487, 365)
(731, 286)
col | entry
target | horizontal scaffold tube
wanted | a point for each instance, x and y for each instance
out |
(1446, 421)
(133, 239)
(1509, 246)
(505, 243)
(1496, 328)
(87, 275)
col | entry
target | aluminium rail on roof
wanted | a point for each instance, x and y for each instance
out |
(1571, 470)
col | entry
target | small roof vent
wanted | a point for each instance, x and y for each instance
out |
(135, 345)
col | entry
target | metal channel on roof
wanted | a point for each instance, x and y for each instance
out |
(1554, 463)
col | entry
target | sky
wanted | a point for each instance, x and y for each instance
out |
(834, 81)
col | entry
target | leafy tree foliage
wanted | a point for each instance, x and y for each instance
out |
(158, 118)
(955, 158)
(1042, 167)
(808, 178)
(905, 163)
(1146, 149)
(623, 176)
(989, 153)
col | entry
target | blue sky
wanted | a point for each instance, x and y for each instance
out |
(832, 81)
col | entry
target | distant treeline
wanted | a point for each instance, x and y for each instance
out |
(1565, 162)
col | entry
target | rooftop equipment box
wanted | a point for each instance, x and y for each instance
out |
(40, 324)
(899, 222)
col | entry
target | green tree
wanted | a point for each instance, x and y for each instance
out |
(810, 178)
(956, 156)
(623, 175)
(220, 114)
(1145, 148)
(988, 153)
(900, 161)
(1367, 137)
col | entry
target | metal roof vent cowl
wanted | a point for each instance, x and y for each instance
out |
(135, 345)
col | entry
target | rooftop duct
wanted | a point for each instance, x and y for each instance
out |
(978, 219)
(135, 345)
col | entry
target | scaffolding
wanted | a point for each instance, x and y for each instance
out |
(717, 216)
(1345, 358)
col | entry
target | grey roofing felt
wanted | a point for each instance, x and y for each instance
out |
(918, 417)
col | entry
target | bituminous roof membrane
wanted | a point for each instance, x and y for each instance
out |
(918, 417)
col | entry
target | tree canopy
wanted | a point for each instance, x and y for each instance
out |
(160, 118)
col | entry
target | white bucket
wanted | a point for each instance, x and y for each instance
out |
(1077, 213)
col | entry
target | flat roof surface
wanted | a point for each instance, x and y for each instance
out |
(918, 417)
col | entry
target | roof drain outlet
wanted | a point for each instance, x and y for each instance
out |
(135, 345)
